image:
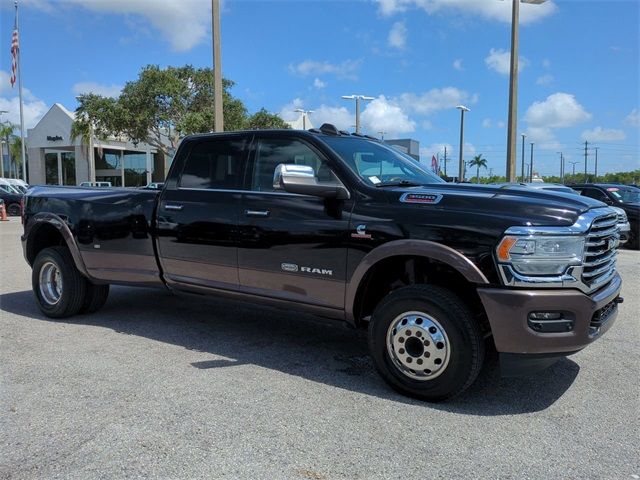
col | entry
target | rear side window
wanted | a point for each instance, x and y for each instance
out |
(595, 193)
(214, 164)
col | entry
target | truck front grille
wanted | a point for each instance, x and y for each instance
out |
(600, 251)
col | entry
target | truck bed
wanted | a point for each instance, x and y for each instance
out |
(113, 228)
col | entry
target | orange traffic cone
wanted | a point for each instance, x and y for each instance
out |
(3, 214)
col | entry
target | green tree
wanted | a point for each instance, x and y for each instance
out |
(15, 152)
(478, 162)
(162, 105)
(6, 131)
(264, 120)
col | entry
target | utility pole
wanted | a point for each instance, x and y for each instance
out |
(523, 137)
(218, 118)
(461, 165)
(586, 144)
(531, 165)
(596, 170)
(561, 167)
(445, 162)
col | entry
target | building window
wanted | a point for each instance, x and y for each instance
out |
(68, 168)
(135, 169)
(51, 169)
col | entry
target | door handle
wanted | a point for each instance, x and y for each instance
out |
(169, 206)
(256, 213)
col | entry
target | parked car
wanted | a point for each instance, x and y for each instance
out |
(96, 184)
(622, 196)
(11, 201)
(154, 186)
(19, 185)
(345, 227)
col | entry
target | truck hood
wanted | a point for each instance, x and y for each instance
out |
(517, 206)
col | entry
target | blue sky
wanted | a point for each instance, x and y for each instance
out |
(419, 58)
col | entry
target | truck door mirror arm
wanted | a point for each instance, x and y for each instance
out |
(302, 179)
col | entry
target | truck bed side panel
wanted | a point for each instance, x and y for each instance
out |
(111, 226)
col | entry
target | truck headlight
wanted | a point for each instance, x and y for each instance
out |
(540, 255)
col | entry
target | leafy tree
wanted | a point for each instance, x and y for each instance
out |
(264, 120)
(15, 152)
(478, 162)
(6, 131)
(163, 105)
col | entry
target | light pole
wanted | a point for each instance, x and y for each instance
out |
(574, 167)
(462, 109)
(218, 118)
(512, 127)
(523, 137)
(304, 116)
(531, 165)
(1, 152)
(357, 98)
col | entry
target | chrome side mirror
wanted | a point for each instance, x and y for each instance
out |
(302, 179)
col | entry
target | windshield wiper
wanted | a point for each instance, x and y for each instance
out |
(400, 183)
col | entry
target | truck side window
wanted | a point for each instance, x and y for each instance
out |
(214, 164)
(272, 152)
(595, 193)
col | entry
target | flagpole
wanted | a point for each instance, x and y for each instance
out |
(24, 159)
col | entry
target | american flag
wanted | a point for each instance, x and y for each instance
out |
(15, 45)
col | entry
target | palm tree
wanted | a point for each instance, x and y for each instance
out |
(478, 162)
(6, 131)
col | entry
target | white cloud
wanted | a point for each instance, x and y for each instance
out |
(319, 83)
(486, 123)
(183, 23)
(500, 61)
(633, 118)
(34, 109)
(546, 63)
(559, 110)
(600, 134)
(543, 138)
(397, 36)
(434, 100)
(338, 116)
(545, 80)
(437, 149)
(346, 69)
(500, 124)
(457, 64)
(97, 89)
(383, 115)
(488, 9)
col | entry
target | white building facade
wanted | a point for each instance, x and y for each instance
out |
(55, 159)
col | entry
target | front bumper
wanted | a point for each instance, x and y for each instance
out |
(508, 311)
(625, 232)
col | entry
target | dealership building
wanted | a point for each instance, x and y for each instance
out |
(55, 159)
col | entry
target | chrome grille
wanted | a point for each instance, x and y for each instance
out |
(600, 251)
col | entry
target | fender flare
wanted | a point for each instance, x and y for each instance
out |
(56, 221)
(419, 248)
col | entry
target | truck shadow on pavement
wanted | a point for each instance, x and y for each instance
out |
(318, 350)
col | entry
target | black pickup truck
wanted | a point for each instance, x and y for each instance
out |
(345, 227)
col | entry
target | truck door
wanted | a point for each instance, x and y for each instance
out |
(291, 246)
(198, 215)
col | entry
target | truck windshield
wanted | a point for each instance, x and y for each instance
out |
(380, 165)
(625, 194)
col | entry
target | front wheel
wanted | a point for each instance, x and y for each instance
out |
(58, 286)
(14, 210)
(425, 342)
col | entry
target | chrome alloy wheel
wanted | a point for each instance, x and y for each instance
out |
(50, 283)
(418, 345)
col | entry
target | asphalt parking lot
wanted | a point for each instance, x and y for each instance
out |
(160, 386)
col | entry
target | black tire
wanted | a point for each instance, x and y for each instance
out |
(465, 347)
(95, 298)
(14, 210)
(73, 287)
